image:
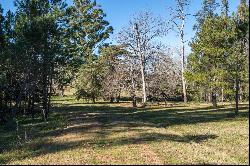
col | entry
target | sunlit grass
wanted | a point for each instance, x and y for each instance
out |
(103, 133)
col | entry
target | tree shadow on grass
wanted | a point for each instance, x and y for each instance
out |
(86, 119)
(44, 146)
(166, 117)
(146, 138)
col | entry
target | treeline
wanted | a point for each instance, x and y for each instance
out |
(217, 70)
(47, 45)
(138, 67)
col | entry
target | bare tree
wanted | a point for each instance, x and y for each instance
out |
(138, 37)
(179, 16)
(164, 79)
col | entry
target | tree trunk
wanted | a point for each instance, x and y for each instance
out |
(134, 101)
(133, 94)
(29, 106)
(32, 107)
(142, 66)
(184, 88)
(214, 99)
(62, 92)
(1, 104)
(222, 96)
(134, 104)
(241, 92)
(50, 91)
(93, 99)
(19, 98)
(45, 97)
(144, 99)
(200, 98)
(209, 97)
(205, 96)
(237, 80)
(118, 98)
(237, 96)
(111, 99)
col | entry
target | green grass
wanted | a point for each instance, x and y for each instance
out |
(103, 133)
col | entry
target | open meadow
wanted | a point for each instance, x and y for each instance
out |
(103, 133)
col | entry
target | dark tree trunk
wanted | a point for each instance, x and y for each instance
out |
(237, 96)
(10, 104)
(134, 101)
(1, 104)
(32, 108)
(50, 92)
(112, 99)
(18, 101)
(29, 105)
(25, 106)
(205, 97)
(214, 99)
(118, 98)
(45, 98)
(222, 95)
(93, 99)
(62, 91)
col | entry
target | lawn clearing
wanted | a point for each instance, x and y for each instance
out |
(80, 133)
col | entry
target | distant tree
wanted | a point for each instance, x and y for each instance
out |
(179, 17)
(111, 60)
(138, 38)
(164, 78)
(89, 81)
(64, 76)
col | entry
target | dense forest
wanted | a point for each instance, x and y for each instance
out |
(46, 46)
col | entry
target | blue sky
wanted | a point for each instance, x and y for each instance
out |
(119, 13)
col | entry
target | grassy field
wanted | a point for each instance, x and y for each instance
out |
(80, 133)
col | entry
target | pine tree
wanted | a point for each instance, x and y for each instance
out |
(87, 32)
(37, 42)
(208, 10)
(241, 52)
(210, 51)
(87, 29)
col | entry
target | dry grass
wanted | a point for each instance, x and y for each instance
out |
(116, 134)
